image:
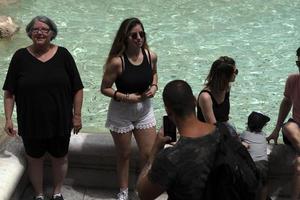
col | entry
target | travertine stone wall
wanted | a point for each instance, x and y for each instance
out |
(7, 27)
(6, 2)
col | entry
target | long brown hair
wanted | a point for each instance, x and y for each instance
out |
(120, 42)
(220, 74)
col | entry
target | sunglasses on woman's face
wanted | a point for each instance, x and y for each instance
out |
(236, 72)
(134, 35)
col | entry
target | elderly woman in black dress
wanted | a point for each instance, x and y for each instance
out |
(44, 83)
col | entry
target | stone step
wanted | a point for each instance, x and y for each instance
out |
(92, 164)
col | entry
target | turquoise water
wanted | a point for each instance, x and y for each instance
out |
(187, 35)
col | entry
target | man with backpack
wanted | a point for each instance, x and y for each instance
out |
(191, 168)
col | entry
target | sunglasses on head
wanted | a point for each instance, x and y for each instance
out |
(135, 35)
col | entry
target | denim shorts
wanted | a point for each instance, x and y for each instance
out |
(124, 117)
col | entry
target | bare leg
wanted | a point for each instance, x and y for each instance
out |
(35, 173)
(296, 180)
(59, 170)
(292, 132)
(145, 139)
(263, 193)
(123, 148)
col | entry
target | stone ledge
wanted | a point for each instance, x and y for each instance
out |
(281, 159)
(92, 163)
(12, 166)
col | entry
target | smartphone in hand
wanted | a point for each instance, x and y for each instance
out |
(169, 128)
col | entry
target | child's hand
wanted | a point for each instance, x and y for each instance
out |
(246, 145)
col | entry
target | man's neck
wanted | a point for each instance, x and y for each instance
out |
(192, 127)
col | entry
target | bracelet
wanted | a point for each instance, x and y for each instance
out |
(155, 85)
(115, 96)
(77, 114)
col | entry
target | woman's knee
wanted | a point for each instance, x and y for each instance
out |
(59, 160)
(290, 129)
(124, 155)
(297, 165)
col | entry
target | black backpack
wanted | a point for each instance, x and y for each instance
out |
(234, 175)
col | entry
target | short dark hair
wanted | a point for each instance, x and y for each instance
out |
(179, 97)
(256, 121)
(45, 20)
(298, 52)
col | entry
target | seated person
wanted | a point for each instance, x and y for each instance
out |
(256, 142)
(291, 129)
(213, 103)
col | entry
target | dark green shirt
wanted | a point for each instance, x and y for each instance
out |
(183, 169)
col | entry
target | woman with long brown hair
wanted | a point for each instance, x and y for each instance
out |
(213, 103)
(131, 66)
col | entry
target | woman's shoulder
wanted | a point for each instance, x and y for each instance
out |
(115, 64)
(62, 49)
(293, 77)
(20, 52)
(205, 94)
(153, 55)
(116, 61)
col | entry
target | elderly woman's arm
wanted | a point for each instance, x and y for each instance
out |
(9, 102)
(77, 105)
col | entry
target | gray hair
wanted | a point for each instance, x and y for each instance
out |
(45, 20)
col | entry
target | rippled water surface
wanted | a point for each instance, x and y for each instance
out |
(187, 35)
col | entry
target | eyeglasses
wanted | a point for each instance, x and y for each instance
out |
(298, 63)
(37, 30)
(236, 72)
(135, 34)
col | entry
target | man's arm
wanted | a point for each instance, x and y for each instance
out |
(284, 110)
(146, 189)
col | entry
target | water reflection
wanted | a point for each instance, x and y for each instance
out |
(187, 36)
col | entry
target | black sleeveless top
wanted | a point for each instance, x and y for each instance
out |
(135, 78)
(221, 111)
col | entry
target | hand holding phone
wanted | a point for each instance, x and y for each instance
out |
(169, 129)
